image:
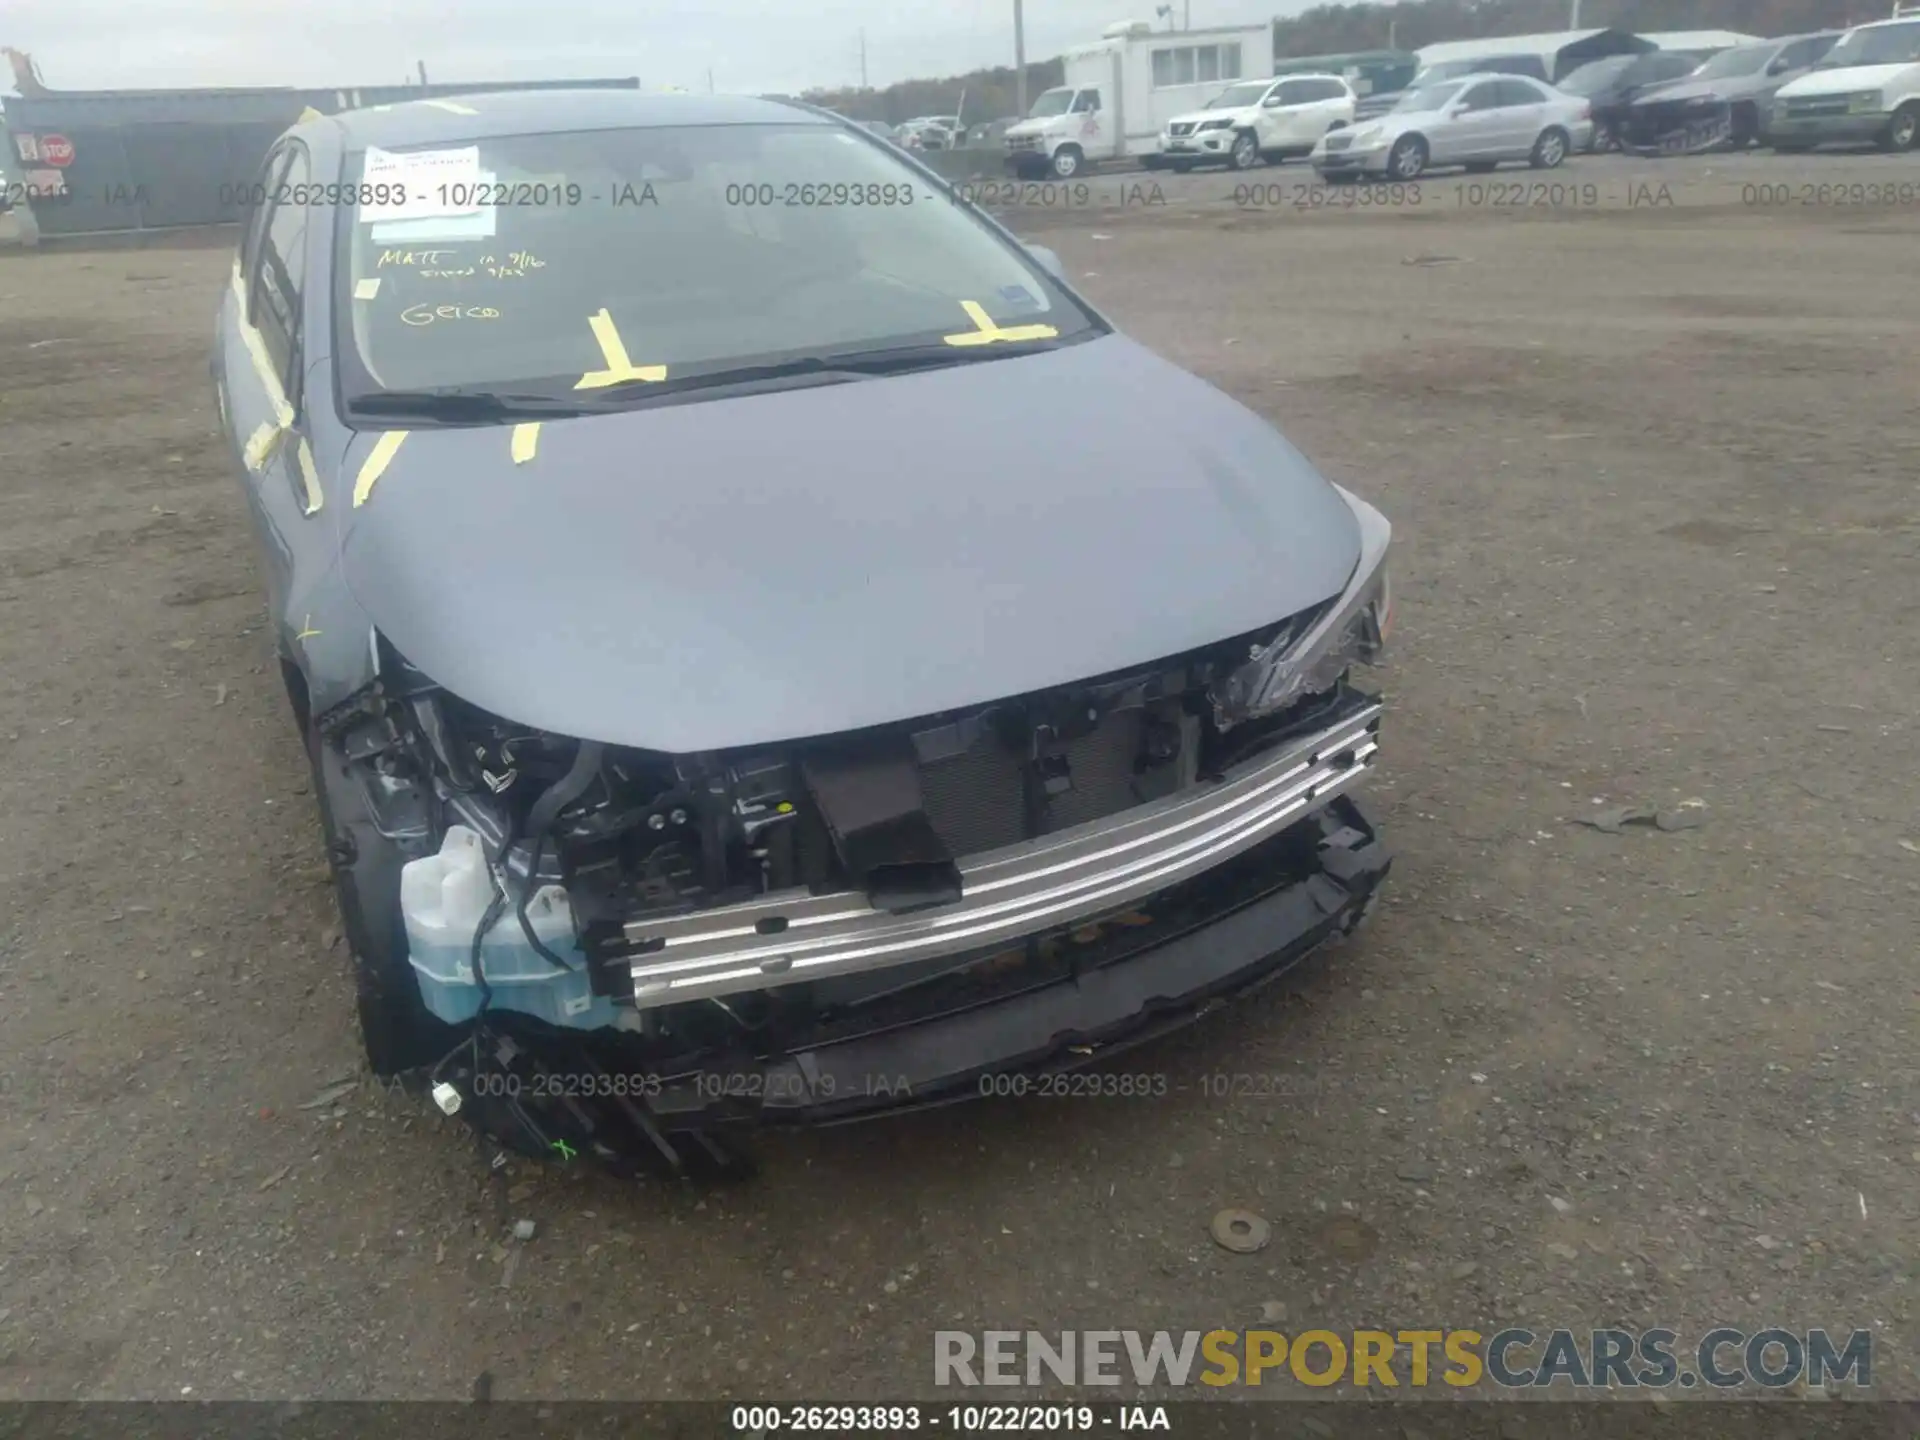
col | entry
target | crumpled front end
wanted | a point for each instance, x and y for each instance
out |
(619, 953)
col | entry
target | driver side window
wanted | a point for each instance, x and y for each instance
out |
(1480, 97)
(280, 271)
(1086, 102)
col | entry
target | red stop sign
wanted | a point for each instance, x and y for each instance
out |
(56, 150)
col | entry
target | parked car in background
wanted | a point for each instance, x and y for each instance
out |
(1532, 66)
(1866, 88)
(1478, 123)
(1609, 85)
(880, 128)
(929, 132)
(1056, 797)
(923, 135)
(1731, 91)
(1254, 120)
(989, 134)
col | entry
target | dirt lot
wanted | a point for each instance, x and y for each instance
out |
(1652, 470)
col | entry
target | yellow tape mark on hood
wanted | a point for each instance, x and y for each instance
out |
(310, 476)
(526, 440)
(614, 351)
(988, 331)
(376, 464)
(452, 107)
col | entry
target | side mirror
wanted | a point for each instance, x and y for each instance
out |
(1272, 102)
(1049, 261)
(1779, 67)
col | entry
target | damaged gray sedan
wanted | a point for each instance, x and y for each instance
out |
(768, 650)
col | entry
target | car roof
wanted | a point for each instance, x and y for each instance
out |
(1309, 75)
(485, 114)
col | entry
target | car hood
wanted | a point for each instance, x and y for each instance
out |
(1835, 82)
(772, 567)
(1732, 88)
(1194, 117)
(1032, 127)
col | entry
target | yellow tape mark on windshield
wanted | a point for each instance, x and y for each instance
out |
(452, 107)
(309, 114)
(366, 289)
(310, 477)
(988, 331)
(614, 351)
(526, 440)
(376, 464)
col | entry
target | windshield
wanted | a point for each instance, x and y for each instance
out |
(1238, 97)
(1595, 75)
(1429, 97)
(1743, 60)
(1880, 45)
(565, 262)
(1051, 102)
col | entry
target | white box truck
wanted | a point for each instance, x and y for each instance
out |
(1120, 92)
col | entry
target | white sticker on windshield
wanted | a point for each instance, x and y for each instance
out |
(421, 184)
(476, 223)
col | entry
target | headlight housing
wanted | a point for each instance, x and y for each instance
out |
(1309, 654)
(1367, 139)
(1214, 125)
(1866, 102)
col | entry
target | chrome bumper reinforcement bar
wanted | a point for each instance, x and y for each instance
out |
(1038, 885)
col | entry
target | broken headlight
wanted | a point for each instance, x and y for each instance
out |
(1310, 652)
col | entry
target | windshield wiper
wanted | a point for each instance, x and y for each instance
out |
(479, 407)
(824, 369)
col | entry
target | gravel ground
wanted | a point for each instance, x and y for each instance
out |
(1652, 474)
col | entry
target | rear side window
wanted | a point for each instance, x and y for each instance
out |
(1518, 92)
(270, 172)
(1296, 92)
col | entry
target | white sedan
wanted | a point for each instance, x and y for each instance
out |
(1477, 121)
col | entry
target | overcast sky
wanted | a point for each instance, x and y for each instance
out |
(750, 45)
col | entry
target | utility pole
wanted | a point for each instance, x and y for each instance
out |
(863, 61)
(1186, 18)
(709, 80)
(423, 70)
(1019, 60)
(1573, 21)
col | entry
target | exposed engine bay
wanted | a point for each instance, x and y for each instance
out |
(535, 868)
